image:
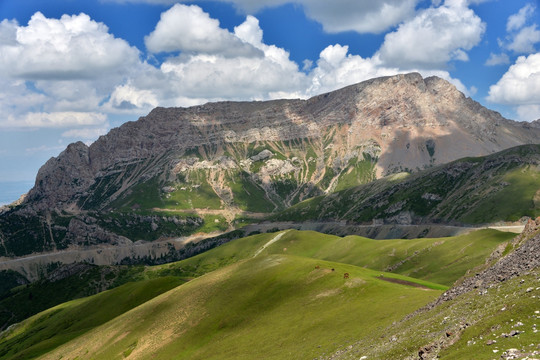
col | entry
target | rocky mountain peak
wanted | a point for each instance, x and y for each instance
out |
(412, 122)
(61, 176)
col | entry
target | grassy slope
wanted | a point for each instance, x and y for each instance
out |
(489, 315)
(441, 260)
(24, 301)
(274, 290)
(469, 190)
(257, 308)
(51, 328)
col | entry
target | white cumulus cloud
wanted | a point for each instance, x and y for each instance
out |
(71, 47)
(128, 97)
(213, 75)
(525, 39)
(336, 68)
(517, 21)
(529, 112)
(190, 29)
(57, 72)
(520, 86)
(521, 39)
(434, 37)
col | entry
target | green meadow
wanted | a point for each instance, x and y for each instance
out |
(286, 295)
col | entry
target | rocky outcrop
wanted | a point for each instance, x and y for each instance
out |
(63, 176)
(525, 258)
(86, 232)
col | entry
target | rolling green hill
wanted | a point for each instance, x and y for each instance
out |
(263, 307)
(62, 323)
(440, 260)
(499, 187)
(268, 296)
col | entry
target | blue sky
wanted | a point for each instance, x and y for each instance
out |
(71, 70)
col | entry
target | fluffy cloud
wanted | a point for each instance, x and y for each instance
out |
(71, 47)
(434, 37)
(189, 29)
(128, 97)
(336, 68)
(524, 40)
(521, 39)
(520, 86)
(55, 73)
(528, 112)
(208, 74)
(517, 21)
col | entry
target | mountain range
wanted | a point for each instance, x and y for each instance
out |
(214, 167)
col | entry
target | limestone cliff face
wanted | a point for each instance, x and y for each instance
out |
(63, 176)
(408, 122)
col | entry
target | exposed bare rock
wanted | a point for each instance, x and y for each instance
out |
(86, 232)
(63, 176)
(66, 271)
(263, 155)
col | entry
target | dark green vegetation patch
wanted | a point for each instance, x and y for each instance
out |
(500, 187)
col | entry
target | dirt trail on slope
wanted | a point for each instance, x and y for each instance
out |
(273, 240)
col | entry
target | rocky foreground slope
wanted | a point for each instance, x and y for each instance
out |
(177, 171)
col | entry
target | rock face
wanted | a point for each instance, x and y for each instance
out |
(213, 165)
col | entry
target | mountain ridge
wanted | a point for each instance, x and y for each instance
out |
(366, 109)
(465, 191)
